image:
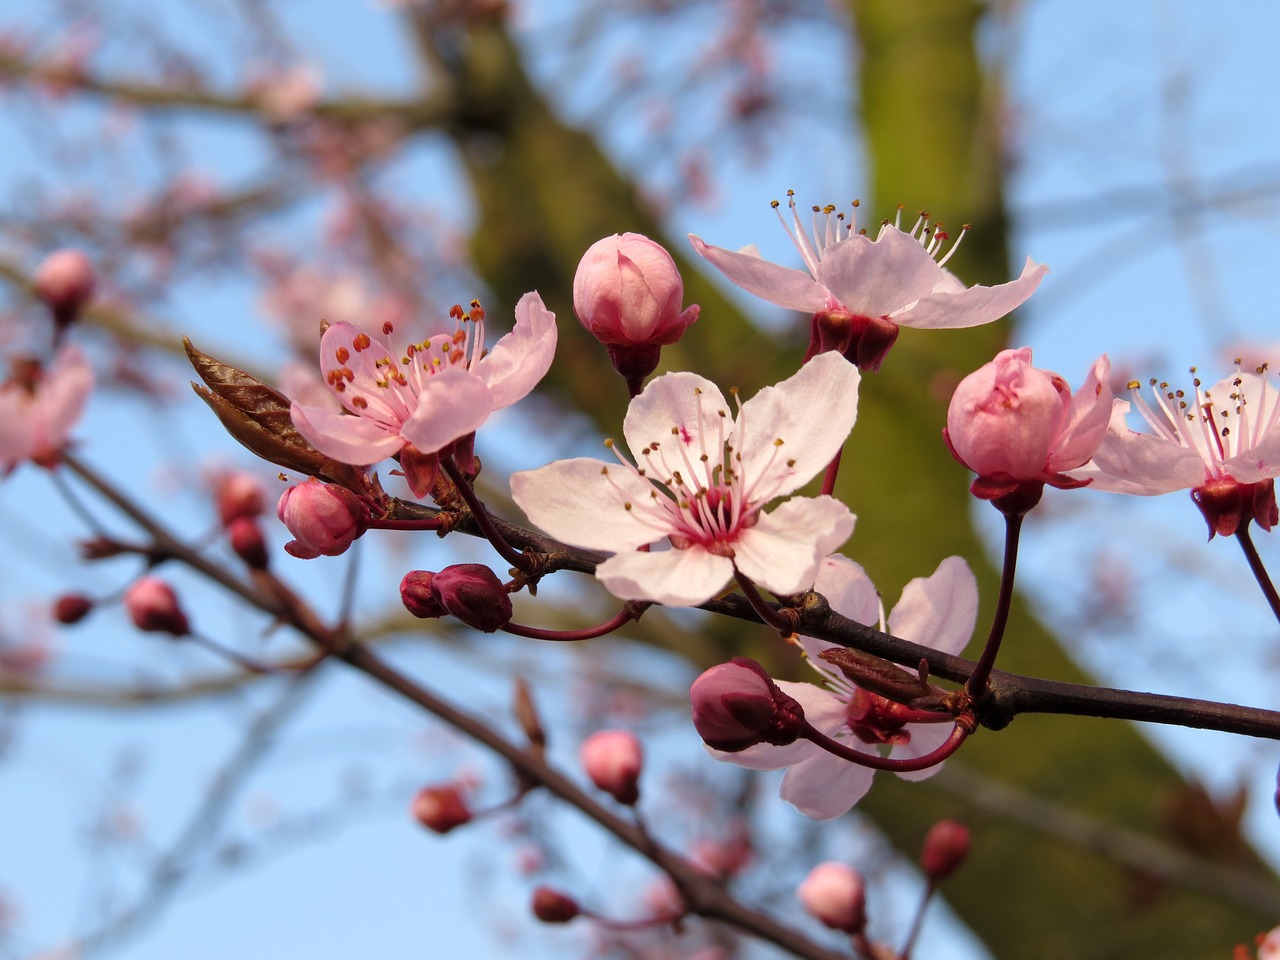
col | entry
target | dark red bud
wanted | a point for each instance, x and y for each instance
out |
(416, 595)
(441, 808)
(245, 537)
(153, 607)
(473, 593)
(945, 847)
(71, 608)
(552, 906)
(737, 705)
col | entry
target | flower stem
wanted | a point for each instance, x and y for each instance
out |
(785, 624)
(519, 560)
(1259, 571)
(917, 921)
(965, 725)
(976, 686)
(833, 469)
(630, 611)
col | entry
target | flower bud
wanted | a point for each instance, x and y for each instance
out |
(71, 608)
(64, 281)
(946, 846)
(627, 292)
(238, 494)
(153, 607)
(1269, 945)
(737, 705)
(552, 906)
(324, 518)
(245, 537)
(613, 759)
(836, 895)
(474, 594)
(1019, 427)
(441, 808)
(416, 595)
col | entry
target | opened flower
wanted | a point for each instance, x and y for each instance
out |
(939, 612)
(697, 493)
(861, 290)
(417, 401)
(39, 407)
(1222, 443)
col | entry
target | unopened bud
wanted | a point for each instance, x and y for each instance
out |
(324, 518)
(737, 705)
(71, 608)
(64, 281)
(416, 595)
(552, 906)
(153, 607)
(836, 895)
(946, 846)
(474, 594)
(245, 537)
(238, 494)
(613, 760)
(441, 808)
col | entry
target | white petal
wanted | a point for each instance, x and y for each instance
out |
(925, 738)
(939, 611)
(1142, 464)
(583, 502)
(783, 550)
(873, 278)
(680, 578)
(824, 786)
(976, 305)
(848, 589)
(686, 416)
(811, 412)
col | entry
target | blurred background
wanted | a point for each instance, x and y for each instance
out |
(238, 170)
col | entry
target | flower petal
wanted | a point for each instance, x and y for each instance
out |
(451, 404)
(939, 611)
(822, 708)
(873, 278)
(783, 550)
(680, 578)
(793, 289)
(974, 306)
(61, 397)
(521, 358)
(925, 738)
(686, 416)
(824, 786)
(1087, 420)
(811, 412)
(1140, 463)
(358, 441)
(583, 503)
(848, 589)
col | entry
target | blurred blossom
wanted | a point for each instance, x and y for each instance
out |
(836, 895)
(153, 607)
(39, 407)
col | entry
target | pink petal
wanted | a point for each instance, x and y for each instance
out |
(824, 786)
(873, 278)
(681, 578)
(783, 550)
(1087, 420)
(358, 441)
(61, 397)
(451, 404)
(976, 305)
(686, 415)
(939, 611)
(521, 358)
(812, 412)
(925, 738)
(16, 435)
(583, 503)
(793, 289)
(848, 589)
(1142, 464)
(389, 404)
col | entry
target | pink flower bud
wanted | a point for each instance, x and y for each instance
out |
(474, 594)
(441, 808)
(238, 494)
(946, 846)
(737, 705)
(245, 537)
(71, 608)
(324, 518)
(552, 906)
(836, 895)
(153, 607)
(416, 595)
(64, 281)
(1019, 427)
(628, 292)
(613, 759)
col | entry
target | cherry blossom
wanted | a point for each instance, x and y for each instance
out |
(703, 481)
(38, 408)
(874, 286)
(938, 611)
(417, 401)
(1222, 443)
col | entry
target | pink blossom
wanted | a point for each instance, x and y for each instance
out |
(703, 482)
(39, 408)
(65, 281)
(1269, 946)
(418, 401)
(1014, 424)
(613, 760)
(1221, 443)
(153, 606)
(939, 612)
(324, 518)
(836, 895)
(877, 285)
